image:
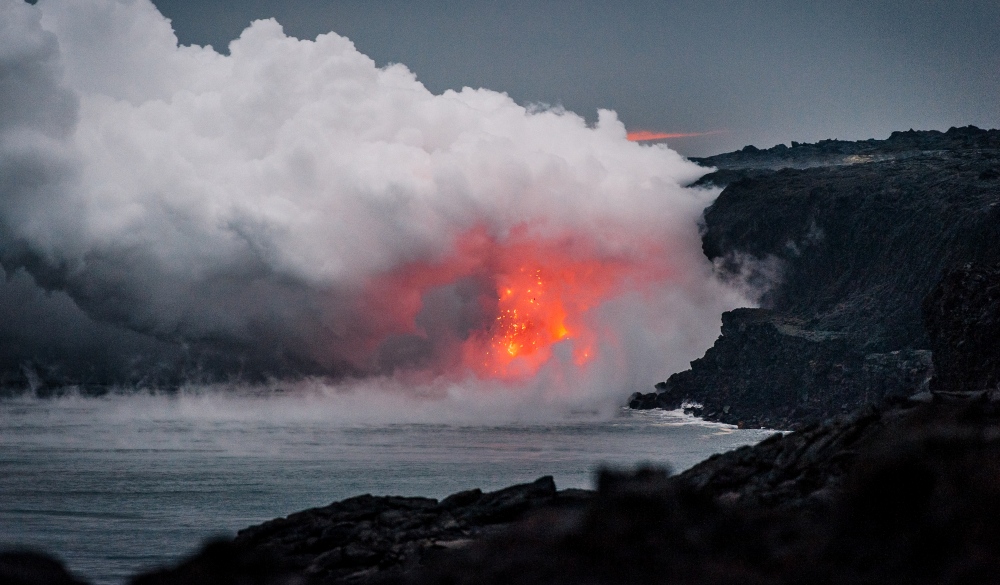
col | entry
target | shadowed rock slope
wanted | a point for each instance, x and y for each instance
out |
(843, 253)
(904, 494)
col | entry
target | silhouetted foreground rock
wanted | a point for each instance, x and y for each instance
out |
(902, 495)
(363, 539)
(32, 568)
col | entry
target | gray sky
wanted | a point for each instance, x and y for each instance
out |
(752, 72)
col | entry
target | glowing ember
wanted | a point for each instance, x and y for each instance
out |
(529, 321)
(546, 289)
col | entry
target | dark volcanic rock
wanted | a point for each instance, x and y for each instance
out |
(32, 568)
(844, 255)
(363, 539)
(768, 370)
(859, 247)
(222, 563)
(840, 152)
(963, 320)
(905, 494)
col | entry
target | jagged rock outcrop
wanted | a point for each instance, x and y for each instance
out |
(844, 255)
(769, 370)
(857, 248)
(963, 319)
(366, 539)
(899, 145)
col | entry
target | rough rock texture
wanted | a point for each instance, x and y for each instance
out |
(768, 370)
(844, 255)
(901, 495)
(366, 538)
(857, 248)
(963, 320)
(840, 152)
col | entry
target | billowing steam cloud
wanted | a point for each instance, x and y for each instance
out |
(292, 209)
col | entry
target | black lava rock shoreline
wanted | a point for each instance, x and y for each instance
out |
(842, 242)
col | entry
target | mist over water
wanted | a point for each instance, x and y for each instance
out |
(123, 483)
(289, 210)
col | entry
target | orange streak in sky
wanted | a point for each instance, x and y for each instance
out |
(644, 135)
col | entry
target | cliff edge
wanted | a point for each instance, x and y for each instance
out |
(841, 251)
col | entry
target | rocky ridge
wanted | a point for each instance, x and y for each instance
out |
(842, 256)
(900, 144)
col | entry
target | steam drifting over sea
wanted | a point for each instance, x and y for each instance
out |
(290, 209)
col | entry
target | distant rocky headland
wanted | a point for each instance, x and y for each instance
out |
(876, 340)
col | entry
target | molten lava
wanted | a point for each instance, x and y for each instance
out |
(532, 315)
(546, 290)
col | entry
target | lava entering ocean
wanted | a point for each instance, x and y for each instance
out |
(538, 292)
(292, 210)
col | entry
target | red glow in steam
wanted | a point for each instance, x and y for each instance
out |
(546, 288)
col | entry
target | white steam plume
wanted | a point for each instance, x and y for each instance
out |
(244, 204)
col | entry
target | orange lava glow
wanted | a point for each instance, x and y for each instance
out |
(546, 288)
(645, 135)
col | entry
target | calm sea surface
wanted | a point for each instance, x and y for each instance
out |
(117, 485)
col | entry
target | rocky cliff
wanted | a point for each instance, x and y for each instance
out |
(842, 251)
(963, 319)
(770, 370)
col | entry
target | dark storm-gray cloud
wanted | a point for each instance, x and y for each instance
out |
(765, 72)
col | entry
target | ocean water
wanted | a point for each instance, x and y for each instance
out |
(119, 484)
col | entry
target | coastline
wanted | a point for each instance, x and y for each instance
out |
(888, 475)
